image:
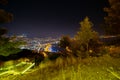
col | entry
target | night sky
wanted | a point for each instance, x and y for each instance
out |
(36, 18)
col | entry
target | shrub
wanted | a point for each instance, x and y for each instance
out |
(114, 52)
(65, 41)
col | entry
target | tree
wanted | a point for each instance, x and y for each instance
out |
(5, 17)
(112, 21)
(7, 47)
(65, 42)
(2, 32)
(3, 2)
(85, 33)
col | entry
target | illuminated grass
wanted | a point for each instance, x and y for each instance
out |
(27, 68)
(19, 68)
(13, 66)
(93, 68)
(113, 73)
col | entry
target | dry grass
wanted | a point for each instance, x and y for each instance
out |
(70, 68)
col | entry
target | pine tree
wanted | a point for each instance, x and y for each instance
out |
(112, 21)
(86, 33)
(7, 47)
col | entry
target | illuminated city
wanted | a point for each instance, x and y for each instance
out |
(59, 40)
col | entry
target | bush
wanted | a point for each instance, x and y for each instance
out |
(81, 54)
(114, 52)
(65, 41)
(8, 63)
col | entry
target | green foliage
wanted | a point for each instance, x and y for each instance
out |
(81, 54)
(65, 41)
(86, 32)
(8, 63)
(103, 50)
(87, 38)
(9, 48)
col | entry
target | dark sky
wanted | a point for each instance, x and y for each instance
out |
(44, 19)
